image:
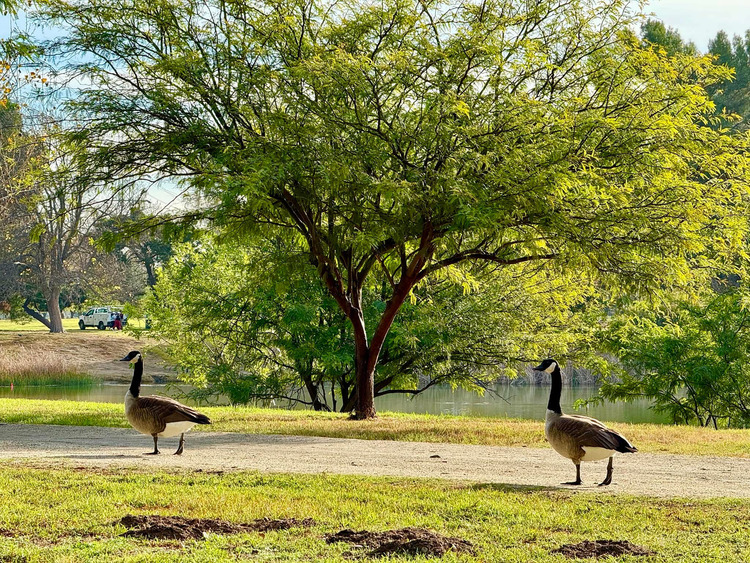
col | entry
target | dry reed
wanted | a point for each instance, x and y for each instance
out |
(21, 366)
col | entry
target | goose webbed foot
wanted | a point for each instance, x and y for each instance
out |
(181, 446)
(578, 476)
(156, 449)
(608, 478)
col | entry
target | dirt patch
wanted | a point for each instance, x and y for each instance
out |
(406, 541)
(178, 528)
(601, 548)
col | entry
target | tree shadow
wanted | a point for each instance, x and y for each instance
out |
(514, 488)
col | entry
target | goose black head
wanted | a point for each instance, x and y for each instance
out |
(547, 365)
(134, 355)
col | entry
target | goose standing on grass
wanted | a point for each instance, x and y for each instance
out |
(579, 438)
(154, 415)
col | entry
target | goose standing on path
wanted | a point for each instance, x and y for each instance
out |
(579, 438)
(154, 415)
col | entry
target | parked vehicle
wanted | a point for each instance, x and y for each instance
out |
(101, 318)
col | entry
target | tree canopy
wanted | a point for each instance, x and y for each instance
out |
(406, 141)
(254, 322)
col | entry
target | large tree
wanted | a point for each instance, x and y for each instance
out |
(408, 139)
(253, 321)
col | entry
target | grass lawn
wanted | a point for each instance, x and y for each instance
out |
(388, 426)
(6, 325)
(73, 515)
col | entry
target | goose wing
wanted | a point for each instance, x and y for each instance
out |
(589, 432)
(168, 410)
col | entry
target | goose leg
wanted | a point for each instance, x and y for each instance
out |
(608, 478)
(578, 476)
(182, 443)
(156, 449)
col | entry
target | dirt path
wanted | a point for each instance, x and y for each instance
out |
(639, 474)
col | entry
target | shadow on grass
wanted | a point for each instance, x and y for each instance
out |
(513, 488)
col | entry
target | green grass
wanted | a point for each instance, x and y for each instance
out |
(71, 515)
(6, 325)
(33, 325)
(388, 426)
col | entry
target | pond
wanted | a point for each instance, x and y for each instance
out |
(514, 401)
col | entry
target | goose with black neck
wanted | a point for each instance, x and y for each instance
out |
(579, 438)
(154, 415)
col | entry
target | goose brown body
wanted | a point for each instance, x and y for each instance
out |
(579, 438)
(157, 416)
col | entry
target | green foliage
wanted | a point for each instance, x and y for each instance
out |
(246, 321)
(733, 96)
(655, 32)
(405, 141)
(692, 360)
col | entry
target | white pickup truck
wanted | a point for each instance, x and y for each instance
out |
(100, 317)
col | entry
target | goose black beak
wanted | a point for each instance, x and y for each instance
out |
(125, 359)
(538, 368)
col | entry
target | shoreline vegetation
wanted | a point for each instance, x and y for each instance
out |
(27, 367)
(648, 438)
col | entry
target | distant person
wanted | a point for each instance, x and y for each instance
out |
(117, 325)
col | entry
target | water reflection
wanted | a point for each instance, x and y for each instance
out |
(516, 401)
(512, 401)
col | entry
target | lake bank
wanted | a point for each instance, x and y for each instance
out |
(503, 401)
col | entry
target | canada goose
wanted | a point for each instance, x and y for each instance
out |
(579, 438)
(157, 416)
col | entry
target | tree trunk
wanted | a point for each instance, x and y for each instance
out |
(53, 308)
(150, 273)
(364, 375)
(366, 356)
(35, 314)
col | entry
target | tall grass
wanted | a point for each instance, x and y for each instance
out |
(25, 367)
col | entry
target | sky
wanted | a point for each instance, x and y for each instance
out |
(696, 20)
(699, 20)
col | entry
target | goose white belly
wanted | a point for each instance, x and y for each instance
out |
(596, 454)
(176, 428)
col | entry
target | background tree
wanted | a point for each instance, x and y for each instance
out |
(55, 216)
(733, 95)
(413, 139)
(17, 151)
(138, 244)
(690, 358)
(654, 32)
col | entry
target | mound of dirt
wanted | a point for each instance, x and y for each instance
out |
(178, 528)
(601, 548)
(406, 541)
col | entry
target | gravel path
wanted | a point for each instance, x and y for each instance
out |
(658, 475)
